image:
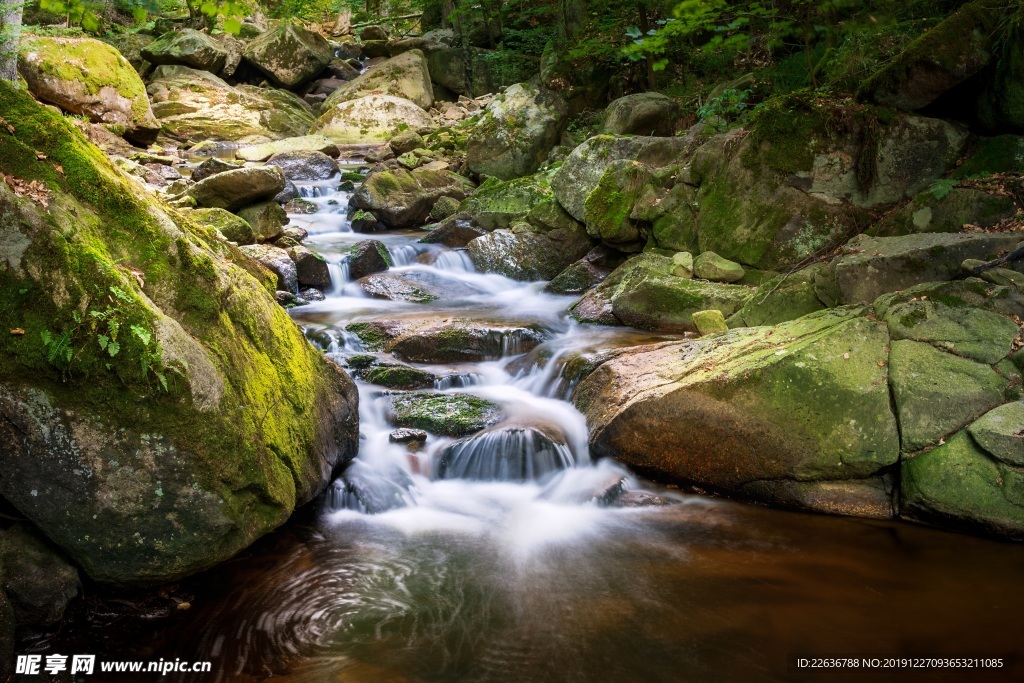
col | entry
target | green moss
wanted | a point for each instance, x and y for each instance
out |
(371, 334)
(400, 377)
(446, 414)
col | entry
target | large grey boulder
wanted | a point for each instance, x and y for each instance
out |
(232, 190)
(647, 113)
(404, 76)
(403, 199)
(374, 118)
(188, 47)
(289, 54)
(305, 165)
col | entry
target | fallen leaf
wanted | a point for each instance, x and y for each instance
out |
(17, 331)
(40, 155)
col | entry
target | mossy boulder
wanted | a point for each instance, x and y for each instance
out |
(215, 417)
(958, 485)
(780, 298)
(999, 154)
(304, 165)
(710, 266)
(266, 218)
(454, 340)
(527, 254)
(86, 76)
(368, 257)
(608, 209)
(277, 261)
(498, 204)
(290, 54)
(869, 267)
(189, 48)
(194, 106)
(394, 376)
(404, 76)
(755, 412)
(234, 189)
(1000, 432)
(937, 393)
(403, 199)
(955, 211)
(581, 172)
(302, 143)
(942, 58)
(671, 214)
(310, 268)
(232, 227)
(516, 132)
(444, 414)
(647, 113)
(644, 292)
(374, 118)
(709, 322)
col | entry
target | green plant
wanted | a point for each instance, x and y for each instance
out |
(729, 106)
(942, 187)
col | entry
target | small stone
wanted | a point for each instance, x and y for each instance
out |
(312, 294)
(407, 435)
(709, 322)
(405, 141)
(682, 264)
(710, 266)
(286, 298)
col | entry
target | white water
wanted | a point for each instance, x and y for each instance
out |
(508, 482)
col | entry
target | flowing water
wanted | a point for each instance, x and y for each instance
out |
(500, 561)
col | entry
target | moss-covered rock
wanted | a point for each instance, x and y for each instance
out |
(455, 340)
(232, 227)
(710, 266)
(368, 257)
(267, 219)
(516, 132)
(780, 298)
(189, 48)
(958, 485)
(374, 118)
(86, 76)
(952, 213)
(750, 410)
(445, 414)
(303, 143)
(399, 377)
(608, 209)
(869, 267)
(194, 105)
(498, 204)
(234, 189)
(527, 254)
(1000, 104)
(403, 199)
(1000, 432)
(937, 393)
(939, 60)
(999, 154)
(647, 113)
(290, 54)
(252, 419)
(709, 322)
(672, 215)
(404, 76)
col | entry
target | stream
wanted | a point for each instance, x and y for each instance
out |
(507, 568)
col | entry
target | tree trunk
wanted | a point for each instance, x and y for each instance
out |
(10, 34)
(343, 25)
(645, 26)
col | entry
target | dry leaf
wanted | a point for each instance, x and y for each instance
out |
(17, 331)
(40, 155)
(3, 122)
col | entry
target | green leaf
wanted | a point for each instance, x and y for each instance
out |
(90, 22)
(103, 340)
(232, 26)
(142, 334)
(942, 187)
(209, 9)
(140, 13)
(113, 348)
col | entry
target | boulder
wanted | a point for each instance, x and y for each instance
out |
(304, 166)
(999, 105)
(289, 54)
(958, 485)
(194, 105)
(369, 119)
(37, 577)
(499, 204)
(528, 254)
(406, 141)
(305, 143)
(444, 414)
(955, 211)
(266, 218)
(404, 377)
(396, 288)
(232, 227)
(1000, 433)
(455, 340)
(310, 268)
(368, 257)
(644, 292)
(403, 199)
(189, 48)
(797, 414)
(341, 70)
(516, 132)
(587, 272)
(213, 166)
(489, 70)
(871, 266)
(454, 233)
(709, 322)
(780, 298)
(942, 58)
(85, 76)
(277, 262)
(373, 33)
(608, 209)
(232, 190)
(211, 423)
(648, 113)
(671, 214)
(404, 76)
(710, 266)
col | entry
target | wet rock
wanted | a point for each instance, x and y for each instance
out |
(407, 436)
(310, 268)
(498, 205)
(456, 340)
(109, 91)
(289, 54)
(305, 143)
(396, 376)
(587, 272)
(188, 47)
(287, 299)
(957, 485)
(454, 233)
(311, 294)
(443, 208)
(406, 141)
(277, 261)
(370, 118)
(650, 113)
(232, 190)
(493, 148)
(373, 491)
(404, 76)
(232, 227)
(341, 70)
(403, 199)
(300, 206)
(395, 288)
(713, 412)
(213, 166)
(444, 414)
(709, 322)
(304, 165)
(289, 193)
(640, 499)
(507, 452)
(36, 576)
(368, 257)
(528, 255)
(710, 266)
(266, 218)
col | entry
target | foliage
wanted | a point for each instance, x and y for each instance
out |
(89, 13)
(730, 106)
